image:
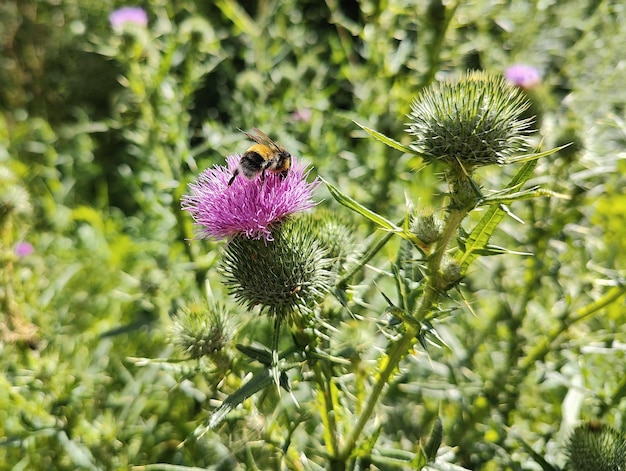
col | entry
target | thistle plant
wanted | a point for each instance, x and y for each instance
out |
(282, 263)
(413, 300)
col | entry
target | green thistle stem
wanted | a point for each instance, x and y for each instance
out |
(275, 340)
(434, 264)
(403, 346)
(328, 410)
(542, 349)
(397, 353)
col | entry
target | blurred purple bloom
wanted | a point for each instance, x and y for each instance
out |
(247, 207)
(302, 114)
(136, 15)
(523, 76)
(24, 249)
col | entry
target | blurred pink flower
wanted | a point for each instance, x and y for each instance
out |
(302, 114)
(24, 249)
(247, 207)
(123, 15)
(523, 76)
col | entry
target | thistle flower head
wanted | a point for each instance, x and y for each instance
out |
(246, 207)
(134, 15)
(523, 76)
(596, 447)
(472, 122)
(283, 277)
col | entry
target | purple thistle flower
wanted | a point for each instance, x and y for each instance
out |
(123, 15)
(24, 249)
(247, 207)
(523, 76)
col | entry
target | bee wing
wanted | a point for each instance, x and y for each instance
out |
(261, 138)
(250, 136)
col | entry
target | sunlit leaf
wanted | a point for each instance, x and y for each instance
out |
(256, 352)
(349, 203)
(387, 140)
(535, 156)
(434, 442)
(357, 207)
(477, 242)
(259, 381)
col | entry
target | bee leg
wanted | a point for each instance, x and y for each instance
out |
(232, 179)
(283, 174)
(263, 176)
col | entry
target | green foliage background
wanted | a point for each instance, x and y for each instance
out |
(101, 131)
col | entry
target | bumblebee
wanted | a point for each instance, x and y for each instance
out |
(264, 156)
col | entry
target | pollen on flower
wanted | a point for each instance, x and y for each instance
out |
(246, 207)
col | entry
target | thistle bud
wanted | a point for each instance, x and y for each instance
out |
(451, 274)
(200, 330)
(335, 237)
(426, 227)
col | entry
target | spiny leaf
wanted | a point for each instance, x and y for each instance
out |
(434, 442)
(259, 381)
(522, 195)
(535, 156)
(523, 174)
(387, 140)
(349, 203)
(479, 238)
(357, 207)
(489, 250)
(257, 352)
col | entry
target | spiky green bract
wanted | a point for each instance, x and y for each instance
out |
(596, 447)
(202, 330)
(334, 235)
(284, 277)
(472, 122)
